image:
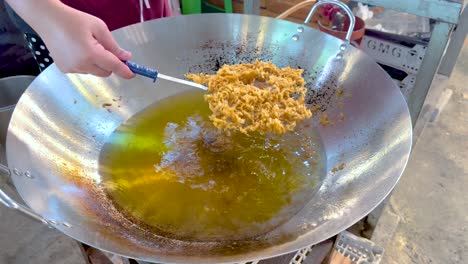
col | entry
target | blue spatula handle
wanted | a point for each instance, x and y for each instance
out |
(142, 70)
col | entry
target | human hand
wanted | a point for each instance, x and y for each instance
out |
(82, 43)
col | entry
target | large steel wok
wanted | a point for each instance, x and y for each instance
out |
(59, 127)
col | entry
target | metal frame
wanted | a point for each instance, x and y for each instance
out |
(252, 7)
(446, 13)
(456, 43)
(435, 50)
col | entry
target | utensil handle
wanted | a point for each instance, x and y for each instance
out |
(352, 19)
(10, 203)
(142, 70)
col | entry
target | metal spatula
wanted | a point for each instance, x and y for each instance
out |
(154, 74)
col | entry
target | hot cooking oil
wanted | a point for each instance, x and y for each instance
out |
(170, 170)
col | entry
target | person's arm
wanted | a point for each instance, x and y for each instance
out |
(78, 42)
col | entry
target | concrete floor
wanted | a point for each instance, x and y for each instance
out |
(25, 241)
(431, 199)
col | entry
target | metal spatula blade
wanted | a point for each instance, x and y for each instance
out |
(173, 79)
(154, 74)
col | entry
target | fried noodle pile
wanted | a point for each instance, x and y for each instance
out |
(255, 97)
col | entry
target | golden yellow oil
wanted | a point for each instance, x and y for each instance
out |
(168, 169)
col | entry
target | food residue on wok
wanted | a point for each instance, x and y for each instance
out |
(338, 168)
(339, 93)
(255, 97)
(325, 121)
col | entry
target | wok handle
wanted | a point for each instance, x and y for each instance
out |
(4, 169)
(4, 198)
(142, 70)
(352, 19)
(10, 203)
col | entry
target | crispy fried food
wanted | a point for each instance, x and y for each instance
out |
(255, 97)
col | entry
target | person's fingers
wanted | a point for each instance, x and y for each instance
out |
(98, 71)
(109, 62)
(105, 38)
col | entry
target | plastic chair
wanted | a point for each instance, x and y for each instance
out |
(200, 6)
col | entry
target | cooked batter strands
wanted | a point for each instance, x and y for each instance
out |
(255, 97)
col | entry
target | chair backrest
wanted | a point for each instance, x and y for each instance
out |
(202, 6)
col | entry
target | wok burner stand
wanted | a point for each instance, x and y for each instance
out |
(346, 248)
